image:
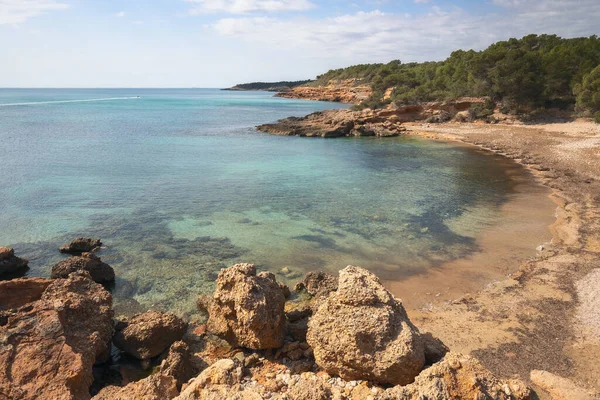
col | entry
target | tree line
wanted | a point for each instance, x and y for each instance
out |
(534, 72)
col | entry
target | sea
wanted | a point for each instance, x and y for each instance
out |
(178, 184)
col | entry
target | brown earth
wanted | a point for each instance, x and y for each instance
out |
(345, 91)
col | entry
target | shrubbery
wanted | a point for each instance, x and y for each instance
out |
(481, 111)
(522, 74)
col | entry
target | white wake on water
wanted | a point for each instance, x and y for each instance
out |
(35, 103)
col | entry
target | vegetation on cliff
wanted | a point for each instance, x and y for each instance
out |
(268, 85)
(523, 74)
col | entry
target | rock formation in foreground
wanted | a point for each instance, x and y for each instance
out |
(48, 346)
(247, 308)
(148, 334)
(81, 245)
(9, 262)
(99, 271)
(362, 332)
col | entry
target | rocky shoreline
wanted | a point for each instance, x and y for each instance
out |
(333, 337)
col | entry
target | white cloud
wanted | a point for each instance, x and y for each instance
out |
(248, 6)
(377, 36)
(120, 14)
(18, 11)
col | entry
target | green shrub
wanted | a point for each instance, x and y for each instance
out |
(597, 117)
(481, 110)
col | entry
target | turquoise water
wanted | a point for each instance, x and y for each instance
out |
(178, 184)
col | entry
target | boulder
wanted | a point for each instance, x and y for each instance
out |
(19, 292)
(248, 308)
(361, 332)
(48, 347)
(178, 364)
(309, 389)
(155, 387)
(318, 284)
(458, 377)
(217, 382)
(81, 245)
(148, 334)
(9, 262)
(99, 271)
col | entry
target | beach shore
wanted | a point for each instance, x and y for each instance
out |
(545, 314)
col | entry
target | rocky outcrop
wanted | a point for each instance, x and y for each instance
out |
(19, 292)
(99, 271)
(384, 122)
(458, 377)
(248, 308)
(48, 347)
(177, 364)
(318, 284)
(155, 387)
(560, 388)
(219, 381)
(335, 123)
(175, 370)
(148, 334)
(81, 245)
(9, 262)
(362, 332)
(342, 91)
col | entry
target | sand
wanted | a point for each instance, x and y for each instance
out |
(543, 313)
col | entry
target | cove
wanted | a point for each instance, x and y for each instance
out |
(178, 185)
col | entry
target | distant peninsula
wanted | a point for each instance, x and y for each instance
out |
(281, 86)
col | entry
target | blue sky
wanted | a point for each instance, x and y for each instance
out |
(217, 43)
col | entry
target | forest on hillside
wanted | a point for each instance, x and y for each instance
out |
(524, 75)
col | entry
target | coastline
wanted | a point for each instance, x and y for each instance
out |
(540, 313)
(532, 320)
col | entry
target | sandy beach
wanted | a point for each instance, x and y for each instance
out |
(545, 314)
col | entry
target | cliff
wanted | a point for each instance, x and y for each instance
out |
(343, 91)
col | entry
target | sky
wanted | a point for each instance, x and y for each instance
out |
(218, 43)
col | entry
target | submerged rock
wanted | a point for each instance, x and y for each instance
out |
(362, 332)
(9, 262)
(248, 308)
(81, 245)
(99, 271)
(148, 334)
(50, 345)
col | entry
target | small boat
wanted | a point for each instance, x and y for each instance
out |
(138, 97)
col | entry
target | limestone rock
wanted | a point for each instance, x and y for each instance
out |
(48, 347)
(99, 271)
(9, 262)
(309, 389)
(19, 292)
(362, 332)
(219, 381)
(148, 334)
(177, 364)
(458, 377)
(155, 387)
(318, 284)
(560, 388)
(248, 308)
(81, 245)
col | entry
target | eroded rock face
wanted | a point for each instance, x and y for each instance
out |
(248, 308)
(458, 377)
(155, 387)
(48, 347)
(362, 332)
(9, 262)
(81, 245)
(99, 271)
(148, 334)
(177, 364)
(19, 292)
(219, 381)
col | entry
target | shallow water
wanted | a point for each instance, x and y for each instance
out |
(178, 184)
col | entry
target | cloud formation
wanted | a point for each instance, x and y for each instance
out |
(19, 11)
(377, 36)
(248, 6)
